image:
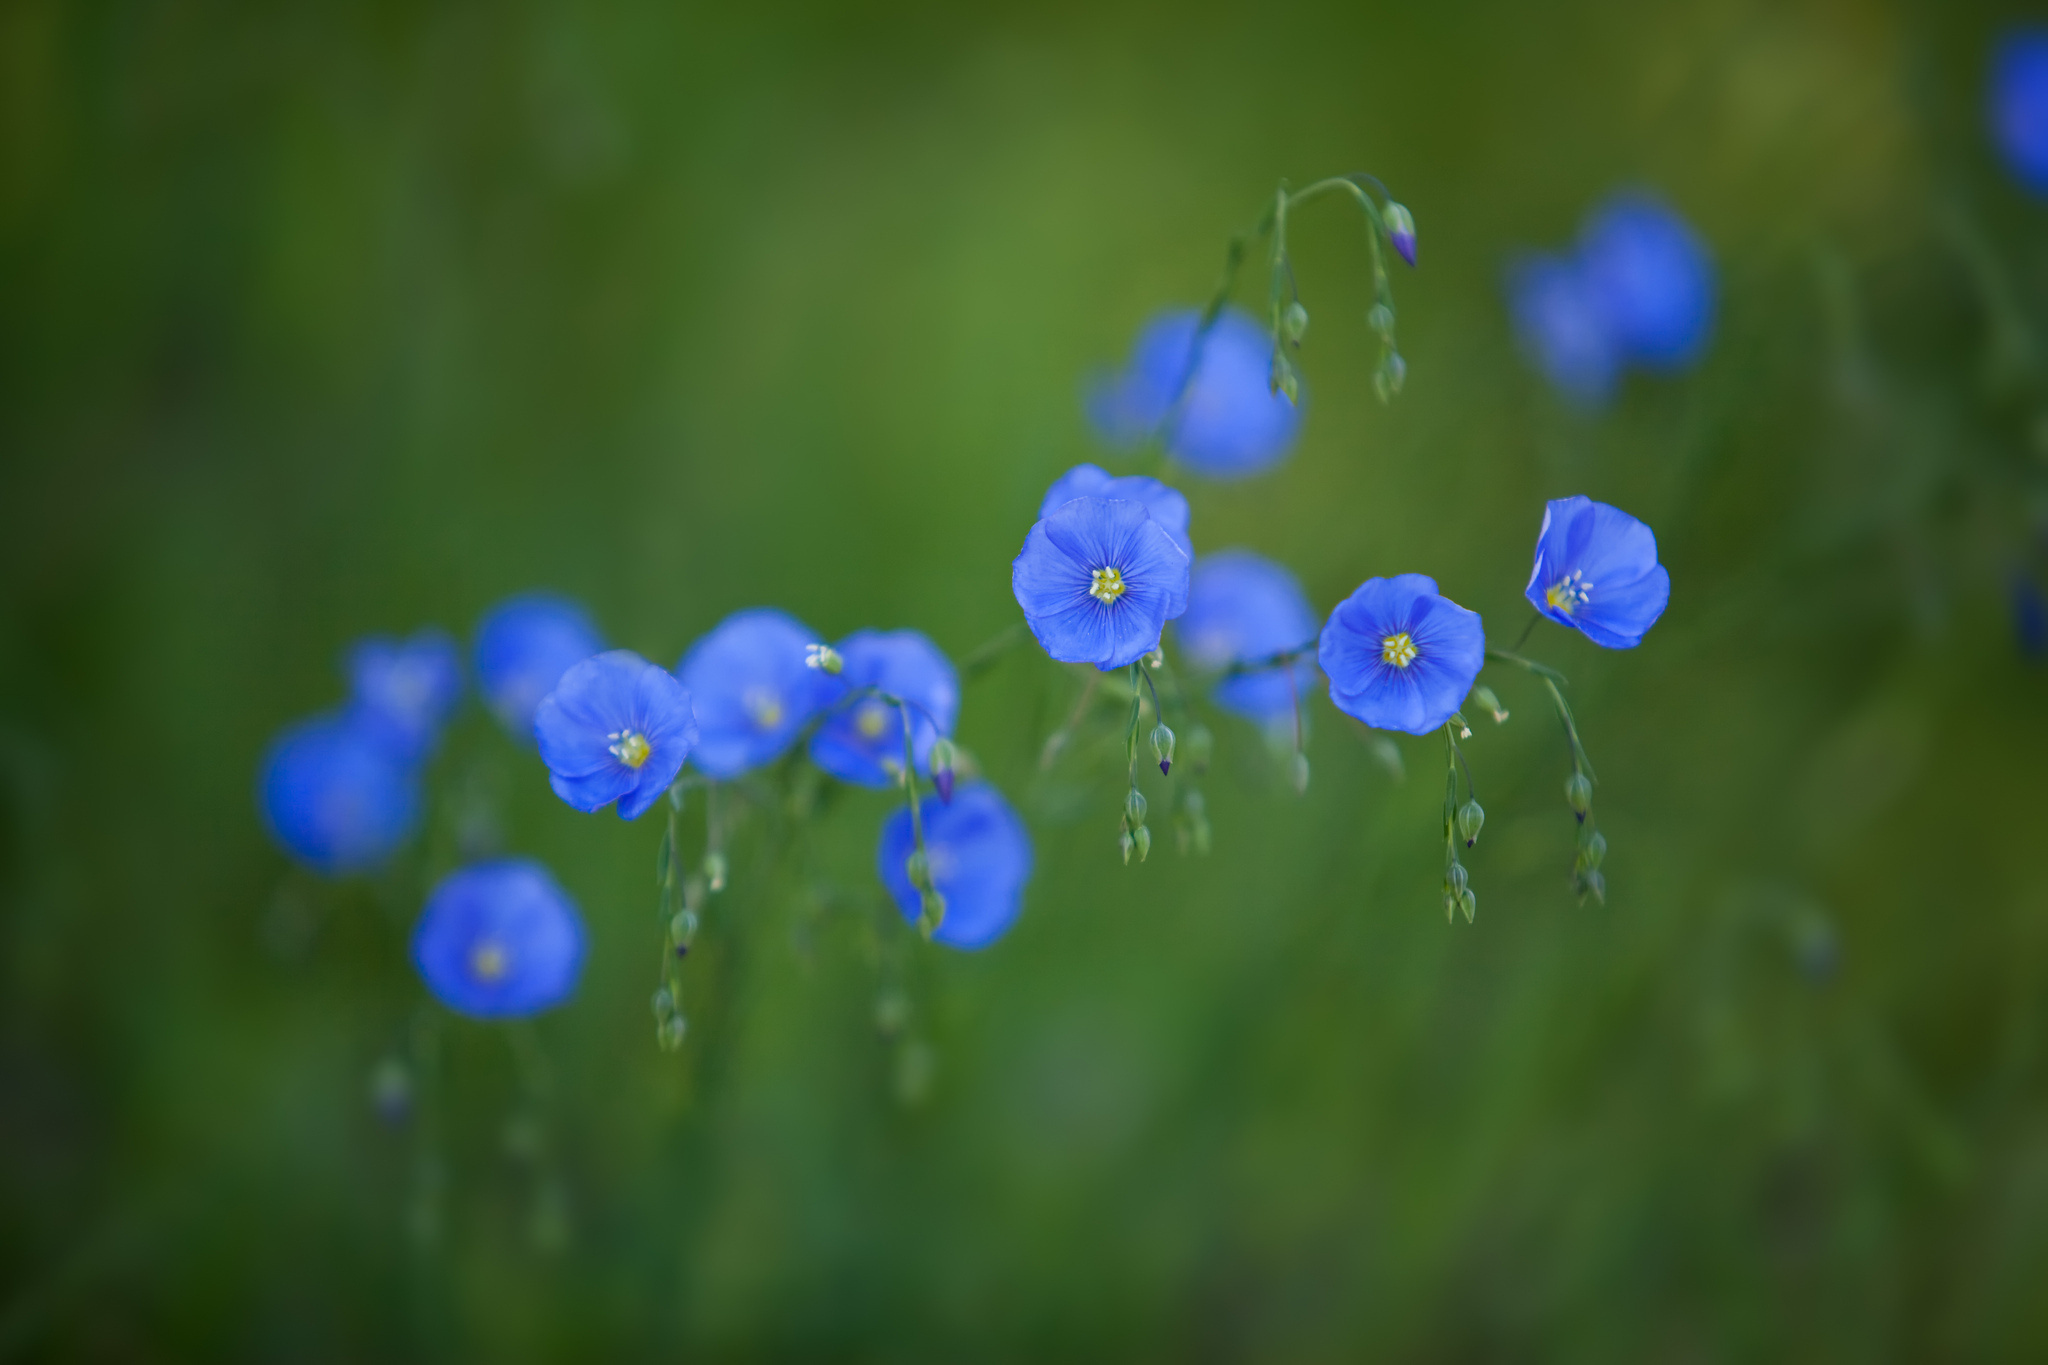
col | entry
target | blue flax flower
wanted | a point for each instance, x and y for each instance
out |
(1229, 423)
(2018, 104)
(617, 728)
(1399, 656)
(861, 741)
(499, 940)
(406, 689)
(1596, 571)
(1166, 505)
(1652, 278)
(523, 647)
(1098, 580)
(752, 689)
(1562, 328)
(1242, 607)
(980, 859)
(338, 795)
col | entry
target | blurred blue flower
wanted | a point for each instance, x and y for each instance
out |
(499, 940)
(1098, 580)
(1651, 276)
(1596, 571)
(616, 728)
(1399, 656)
(980, 859)
(338, 795)
(1229, 422)
(406, 689)
(1562, 327)
(523, 647)
(861, 741)
(1165, 504)
(2029, 617)
(2018, 100)
(1241, 607)
(752, 689)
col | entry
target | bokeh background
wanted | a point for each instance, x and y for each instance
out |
(319, 320)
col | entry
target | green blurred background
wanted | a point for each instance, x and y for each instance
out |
(319, 320)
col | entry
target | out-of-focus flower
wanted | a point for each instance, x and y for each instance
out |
(1399, 656)
(1228, 423)
(406, 689)
(1098, 580)
(1401, 231)
(1243, 607)
(523, 647)
(2017, 97)
(752, 689)
(980, 859)
(1651, 275)
(1562, 328)
(2029, 617)
(338, 795)
(616, 728)
(861, 741)
(1165, 504)
(1596, 571)
(499, 940)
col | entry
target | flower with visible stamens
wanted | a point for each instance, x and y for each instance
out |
(616, 728)
(1596, 571)
(499, 940)
(1098, 579)
(753, 689)
(861, 740)
(1399, 655)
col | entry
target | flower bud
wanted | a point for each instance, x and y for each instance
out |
(1484, 695)
(1295, 322)
(942, 760)
(1126, 843)
(1162, 747)
(1469, 903)
(682, 929)
(664, 1004)
(1134, 808)
(1578, 792)
(1594, 885)
(1380, 318)
(1297, 772)
(1471, 819)
(1455, 879)
(823, 658)
(931, 913)
(714, 870)
(1283, 379)
(671, 1032)
(1392, 373)
(1401, 230)
(1142, 836)
(1200, 744)
(1592, 848)
(919, 869)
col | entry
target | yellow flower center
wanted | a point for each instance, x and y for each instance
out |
(1108, 585)
(1398, 650)
(488, 961)
(1570, 592)
(763, 706)
(872, 720)
(630, 747)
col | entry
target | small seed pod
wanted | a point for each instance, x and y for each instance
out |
(1578, 793)
(1471, 819)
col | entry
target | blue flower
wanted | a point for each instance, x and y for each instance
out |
(1399, 656)
(861, 741)
(338, 795)
(2029, 617)
(1651, 276)
(523, 647)
(1166, 505)
(1242, 607)
(752, 689)
(499, 940)
(1596, 570)
(980, 859)
(1229, 422)
(406, 689)
(616, 728)
(1098, 580)
(2018, 104)
(1562, 327)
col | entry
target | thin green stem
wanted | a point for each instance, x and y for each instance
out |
(1527, 631)
(1544, 671)
(990, 652)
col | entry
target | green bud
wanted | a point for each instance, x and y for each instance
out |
(1142, 836)
(714, 870)
(1283, 378)
(931, 913)
(823, 658)
(1578, 793)
(1469, 903)
(1162, 747)
(1134, 808)
(1381, 319)
(1455, 879)
(1471, 819)
(1450, 905)
(1484, 695)
(1295, 322)
(664, 1003)
(1200, 745)
(1126, 843)
(671, 1032)
(1592, 849)
(919, 869)
(1297, 772)
(1593, 885)
(682, 928)
(1391, 375)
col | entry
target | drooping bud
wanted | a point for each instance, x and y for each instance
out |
(1134, 808)
(1142, 835)
(1484, 695)
(1456, 879)
(931, 913)
(1471, 819)
(1295, 322)
(1283, 378)
(1162, 747)
(1470, 904)
(664, 1004)
(823, 658)
(714, 870)
(682, 930)
(943, 758)
(919, 869)
(1592, 849)
(1200, 745)
(1126, 843)
(1388, 378)
(1578, 793)
(1380, 318)
(1401, 230)
(1297, 772)
(672, 1031)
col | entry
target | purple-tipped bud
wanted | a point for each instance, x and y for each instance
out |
(943, 780)
(1401, 231)
(1162, 747)
(942, 761)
